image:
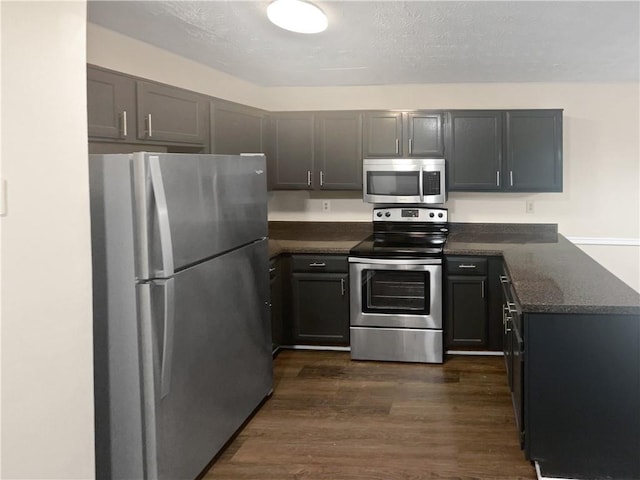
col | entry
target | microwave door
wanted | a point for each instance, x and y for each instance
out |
(387, 185)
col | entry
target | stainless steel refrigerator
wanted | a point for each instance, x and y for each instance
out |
(182, 342)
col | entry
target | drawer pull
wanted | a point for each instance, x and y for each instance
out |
(272, 269)
(504, 279)
(317, 264)
(467, 265)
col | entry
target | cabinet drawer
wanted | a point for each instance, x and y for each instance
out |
(466, 265)
(320, 263)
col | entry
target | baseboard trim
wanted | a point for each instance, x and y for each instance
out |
(491, 353)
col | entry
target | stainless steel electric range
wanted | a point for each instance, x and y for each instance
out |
(396, 286)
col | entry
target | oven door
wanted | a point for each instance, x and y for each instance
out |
(397, 293)
(404, 180)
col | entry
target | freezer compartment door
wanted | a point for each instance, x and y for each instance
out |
(210, 358)
(193, 207)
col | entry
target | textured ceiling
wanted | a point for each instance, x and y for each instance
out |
(395, 42)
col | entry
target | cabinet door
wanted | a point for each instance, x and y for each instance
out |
(382, 135)
(169, 114)
(425, 136)
(321, 308)
(534, 150)
(236, 128)
(467, 311)
(275, 283)
(290, 156)
(474, 151)
(338, 146)
(110, 105)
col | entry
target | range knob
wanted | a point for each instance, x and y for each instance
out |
(387, 214)
(431, 214)
(440, 215)
(378, 214)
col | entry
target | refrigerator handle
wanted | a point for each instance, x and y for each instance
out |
(167, 341)
(166, 246)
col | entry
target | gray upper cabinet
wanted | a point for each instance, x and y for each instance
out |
(382, 136)
(425, 134)
(236, 128)
(338, 150)
(110, 105)
(169, 114)
(291, 150)
(504, 151)
(533, 145)
(389, 134)
(474, 150)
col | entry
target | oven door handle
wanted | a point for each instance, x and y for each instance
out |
(396, 261)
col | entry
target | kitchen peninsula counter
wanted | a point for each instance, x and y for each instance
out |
(549, 273)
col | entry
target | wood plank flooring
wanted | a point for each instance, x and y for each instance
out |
(331, 418)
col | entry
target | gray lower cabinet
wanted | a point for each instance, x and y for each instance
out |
(389, 134)
(170, 114)
(236, 128)
(111, 105)
(320, 300)
(575, 385)
(276, 287)
(504, 151)
(466, 292)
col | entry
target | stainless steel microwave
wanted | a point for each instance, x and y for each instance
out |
(404, 180)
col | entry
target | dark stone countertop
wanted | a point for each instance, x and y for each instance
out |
(549, 273)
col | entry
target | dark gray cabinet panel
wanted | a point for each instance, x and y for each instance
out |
(319, 300)
(275, 282)
(338, 150)
(397, 134)
(382, 135)
(466, 294)
(425, 134)
(474, 150)
(170, 114)
(110, 105)
(236, 128)
(291, 150)
(533, 140)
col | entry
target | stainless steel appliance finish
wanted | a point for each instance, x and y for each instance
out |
(182, 341)
(404, 180)
(396, 286)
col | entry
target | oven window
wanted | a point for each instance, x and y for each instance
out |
(393, 183)
(395, 291)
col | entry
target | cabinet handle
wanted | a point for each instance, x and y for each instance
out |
(511, 177)
(321, 178)
(482, 286)
(342, 287)
(504, 279)
(272, 269)
(511, 307)
(124, 124)
(467, 265)
(149, 129)
(498, 178)
(315, 264)
(410, 146)
(397, 146)
(308, 178)
(507, 327)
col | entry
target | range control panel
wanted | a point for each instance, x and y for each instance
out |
(410, 214)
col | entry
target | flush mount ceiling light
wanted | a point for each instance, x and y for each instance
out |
(297, 16)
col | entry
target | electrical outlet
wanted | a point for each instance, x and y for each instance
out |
(529, 206)
(326, 206)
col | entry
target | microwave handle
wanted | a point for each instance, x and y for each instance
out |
(421, 186)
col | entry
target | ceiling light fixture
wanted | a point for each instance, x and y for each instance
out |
(297, 16)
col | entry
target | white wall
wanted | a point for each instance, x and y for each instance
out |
(47, 371)
(601, 144)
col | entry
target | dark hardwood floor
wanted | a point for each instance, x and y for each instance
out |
(330, 418)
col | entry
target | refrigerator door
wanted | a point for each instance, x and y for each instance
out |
(206, 340)
(192, 207)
